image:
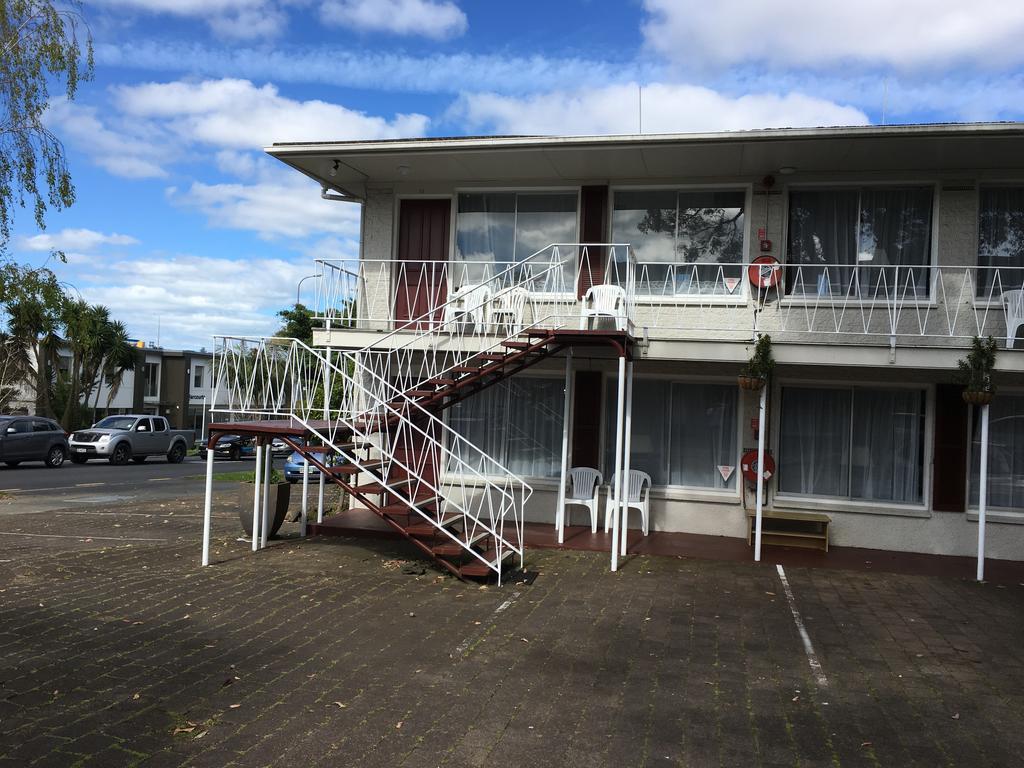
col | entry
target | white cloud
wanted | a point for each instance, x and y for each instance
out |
(666, 109)
(74, 240)
(271, 208)
(907, 34)
(437, 20)
(238, 19)
(193, 297)
(238, 114)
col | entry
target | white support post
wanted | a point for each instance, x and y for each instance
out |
(305, 499)
(320, 499)
(758, 504)
(627, 446)
(267, 463)
(617, 484)
(566, 417)
(983, 493)
(256, 478)
(208, 507)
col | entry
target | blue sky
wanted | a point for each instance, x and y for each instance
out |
(182, 221)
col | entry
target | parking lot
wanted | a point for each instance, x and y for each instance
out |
(116, 648)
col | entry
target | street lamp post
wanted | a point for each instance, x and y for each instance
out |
(298, 288)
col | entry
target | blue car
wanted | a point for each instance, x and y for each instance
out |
(295, 465)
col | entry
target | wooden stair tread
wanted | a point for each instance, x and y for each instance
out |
(353, 469)
(478, 569)
(375, 488)
(517, 344)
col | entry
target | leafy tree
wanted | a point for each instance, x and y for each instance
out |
(14, 368)
(39, 48)
(297, 324)
(118, 359)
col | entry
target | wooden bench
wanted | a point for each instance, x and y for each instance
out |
(790, 529)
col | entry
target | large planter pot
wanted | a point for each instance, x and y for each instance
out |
(976, 397)
(280, 496)
(752, 383)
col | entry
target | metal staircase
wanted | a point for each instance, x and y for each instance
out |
(377, 410)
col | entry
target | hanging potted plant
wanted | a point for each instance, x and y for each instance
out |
(976, 371)
(759, 366)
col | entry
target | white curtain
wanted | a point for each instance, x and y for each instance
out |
(814, 441)
(682, 432)
(517, 422)
(1005, 453)
(1000, 239)
(888, 445)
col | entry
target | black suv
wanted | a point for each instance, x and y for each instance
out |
(32, 438)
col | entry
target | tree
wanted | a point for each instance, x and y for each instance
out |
(298, 324)
(39, 47)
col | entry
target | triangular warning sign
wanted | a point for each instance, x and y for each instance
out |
(725, 471)
(731, 283)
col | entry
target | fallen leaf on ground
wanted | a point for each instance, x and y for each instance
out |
(398, 724)
(135, 697)
(199, 735)
(234, 706)
(956, 715)
(183, 730)
(340, 705)
(866, 744)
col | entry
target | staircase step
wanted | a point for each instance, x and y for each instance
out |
(352, 469)
(468, 368)
(421, 393)
(401, 508)
(478, 569)
(425, 529)
(450, 548)
(375, 488)
(517, 344)
(494, 357)
(443, 381)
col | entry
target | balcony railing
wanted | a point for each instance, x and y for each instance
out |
(860, 303)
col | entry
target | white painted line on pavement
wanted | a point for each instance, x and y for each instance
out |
(87, 485)
(812, 657)
(83, 536)
(461, 648)
(158, 479)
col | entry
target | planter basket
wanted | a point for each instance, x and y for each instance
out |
(753, 383)
(977, 397)
(280, 495)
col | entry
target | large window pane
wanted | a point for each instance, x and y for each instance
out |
(846, 243)
(502, 228)
(888, 445)
(1000, 240)
(686, 243)
(518, 422)
(703, 435)
(814, 441)
(682, 432)
(1005, 453)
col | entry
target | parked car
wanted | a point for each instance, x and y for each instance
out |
(32, 438)
(130, 437)
(279, 447)
(234, 447)
(296, 464)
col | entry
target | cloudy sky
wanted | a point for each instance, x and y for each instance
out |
(182, 221)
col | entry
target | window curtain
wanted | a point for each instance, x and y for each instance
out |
(682, 432)
(518, 423)
(888, 445)
(1000, 240)
(814, 441)
(840, 240)
(1005, 453)
(703, 435)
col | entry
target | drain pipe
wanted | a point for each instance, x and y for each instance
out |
(344, 197)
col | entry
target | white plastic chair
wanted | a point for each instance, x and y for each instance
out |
(470, 306)
(1013, 306)
(638, 496)
(507, 310)
(604, 301)
(584, 490)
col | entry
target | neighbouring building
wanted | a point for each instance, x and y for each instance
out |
(897, 245)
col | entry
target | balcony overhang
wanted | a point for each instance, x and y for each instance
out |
(350, 167)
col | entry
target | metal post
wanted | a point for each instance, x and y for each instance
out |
(626, 450)
(760, 473)
(256, 497)
(617, 485)
(982, 492)
(202, 422)
(566, 416)
(208, 507)
(305, 498)
(267, 464)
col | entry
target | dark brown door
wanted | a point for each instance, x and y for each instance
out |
(586, 420)
(949, 466)
(421, 279)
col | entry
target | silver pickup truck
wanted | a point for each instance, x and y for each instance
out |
(130, 437)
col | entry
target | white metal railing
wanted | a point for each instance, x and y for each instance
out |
(431, 468)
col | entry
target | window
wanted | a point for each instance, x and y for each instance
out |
(21, 426)
(494, 230)
(43, 426)
(848, 242)
(517, 422)
(686, 242)
(151, 380)
(1005, 453)
(853, 443)
(197, 376)
(1000, 240)
(682, 432)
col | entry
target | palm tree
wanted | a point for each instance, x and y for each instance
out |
(90, 334)
(119, 358)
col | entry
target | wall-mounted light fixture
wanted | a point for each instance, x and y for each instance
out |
(334, 169)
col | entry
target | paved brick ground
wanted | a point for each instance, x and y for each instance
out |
(124, 652)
